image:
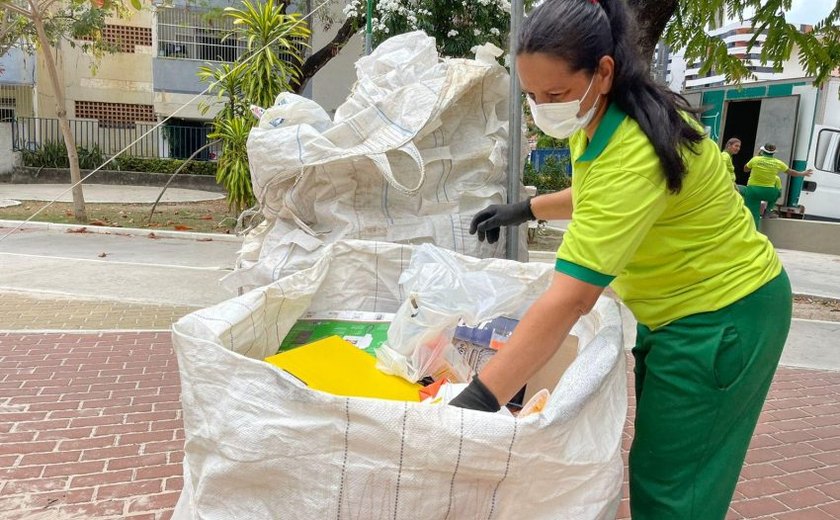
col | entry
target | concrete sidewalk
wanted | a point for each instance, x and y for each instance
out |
(127, 268)
(103, 193)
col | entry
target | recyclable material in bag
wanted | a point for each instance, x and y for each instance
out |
(365, 330)
(338, 367)
(441, 294)
(477, 345)
(259, 445)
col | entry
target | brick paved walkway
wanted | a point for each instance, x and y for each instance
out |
(27, 312)
(792, 471)
(90, 427)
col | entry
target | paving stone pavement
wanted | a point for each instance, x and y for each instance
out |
(792, 470)
(20, 311)
(91, 427)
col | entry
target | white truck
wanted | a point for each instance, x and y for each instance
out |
(803, 121)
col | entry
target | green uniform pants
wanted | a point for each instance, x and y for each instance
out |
(701, 382)
(754, 195)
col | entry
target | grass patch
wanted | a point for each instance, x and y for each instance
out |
(203, 217)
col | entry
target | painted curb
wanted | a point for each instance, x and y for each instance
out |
(108, 230)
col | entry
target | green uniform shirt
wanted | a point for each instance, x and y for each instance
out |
(764, 171)
(667, 256)
(727, 161)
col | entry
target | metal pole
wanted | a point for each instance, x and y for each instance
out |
(517, 13)
(369, 28)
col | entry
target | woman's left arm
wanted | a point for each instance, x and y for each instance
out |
(534, 341)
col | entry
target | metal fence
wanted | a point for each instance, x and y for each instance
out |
(197, 33)
(561, 155)
(166, 141)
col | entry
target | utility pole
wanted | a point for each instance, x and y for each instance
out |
(369, 28)
(517, 13)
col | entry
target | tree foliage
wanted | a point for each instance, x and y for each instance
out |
(678, 22)
(818, 49)
(458, 26)
(273, 48)
(77, 23)
(270, 65)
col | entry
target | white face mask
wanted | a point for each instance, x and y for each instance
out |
(560, 120)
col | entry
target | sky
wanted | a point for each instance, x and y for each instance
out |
(808, 11)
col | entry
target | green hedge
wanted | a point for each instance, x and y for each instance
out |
(552, 177)
(54, 155)
(141, 164)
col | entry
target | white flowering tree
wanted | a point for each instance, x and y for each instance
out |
(457, 25)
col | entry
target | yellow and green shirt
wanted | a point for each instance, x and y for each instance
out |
(727, 161)
(764, 171)
(666, 255)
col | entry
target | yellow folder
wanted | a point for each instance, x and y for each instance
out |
(336, 366)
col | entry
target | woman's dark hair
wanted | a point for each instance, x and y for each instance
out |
(581, 32)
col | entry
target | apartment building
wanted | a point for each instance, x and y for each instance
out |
(737, 36)
(152, 77)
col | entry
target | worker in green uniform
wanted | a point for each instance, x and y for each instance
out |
(654, 216)
(733, 146)
(764, 184)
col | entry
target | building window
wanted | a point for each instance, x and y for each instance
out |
(7, 109)
(197, 35)
(115, 115)
(126, 37)
(764, 69)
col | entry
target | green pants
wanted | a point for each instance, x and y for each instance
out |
(701, 382)
(754, 195)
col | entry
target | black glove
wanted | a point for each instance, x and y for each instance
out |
(476, 396)
(489, 221)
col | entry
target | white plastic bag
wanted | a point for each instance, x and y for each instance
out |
(291, 110)
(259, 446)
(419, 147)
(441, 291)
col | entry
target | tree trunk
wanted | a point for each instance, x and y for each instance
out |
(319, 59)
(61, 111)
(652, 16)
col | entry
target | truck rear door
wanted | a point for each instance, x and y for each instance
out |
(824, 159)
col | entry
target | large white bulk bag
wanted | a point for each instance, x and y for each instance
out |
(260, 446)
(418, 148)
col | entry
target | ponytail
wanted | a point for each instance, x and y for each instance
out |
(581, 32)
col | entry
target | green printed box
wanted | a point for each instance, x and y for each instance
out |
(366, 330)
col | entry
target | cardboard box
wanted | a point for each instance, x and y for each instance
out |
(551, 372)
(366, 330)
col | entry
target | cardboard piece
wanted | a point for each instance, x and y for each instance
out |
(548, 376)
(365, 330)
(336, 366)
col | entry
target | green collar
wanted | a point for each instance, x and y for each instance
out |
(613, 117)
